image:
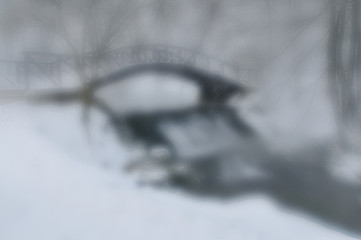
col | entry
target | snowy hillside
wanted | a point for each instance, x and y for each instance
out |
(54, 186)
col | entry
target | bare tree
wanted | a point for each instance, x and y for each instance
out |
(88, 28)
(344, 63)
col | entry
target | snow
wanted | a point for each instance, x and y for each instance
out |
(147, 93)
(57, 183)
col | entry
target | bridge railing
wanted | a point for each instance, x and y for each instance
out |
(38, 68)
(142, 54)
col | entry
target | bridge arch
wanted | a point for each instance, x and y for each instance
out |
(158, 57)
(214, 88)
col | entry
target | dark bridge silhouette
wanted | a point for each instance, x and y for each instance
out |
(207, 130)
(214, 88)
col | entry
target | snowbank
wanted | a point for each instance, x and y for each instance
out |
(52, 186)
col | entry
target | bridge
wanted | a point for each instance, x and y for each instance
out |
(145, 54)
(41, 68)
(216, 80)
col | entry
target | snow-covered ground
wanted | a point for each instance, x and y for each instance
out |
(55, 183)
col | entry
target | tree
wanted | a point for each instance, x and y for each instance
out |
(88, 28)
(344, 67)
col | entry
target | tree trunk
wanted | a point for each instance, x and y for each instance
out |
(344, 62)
